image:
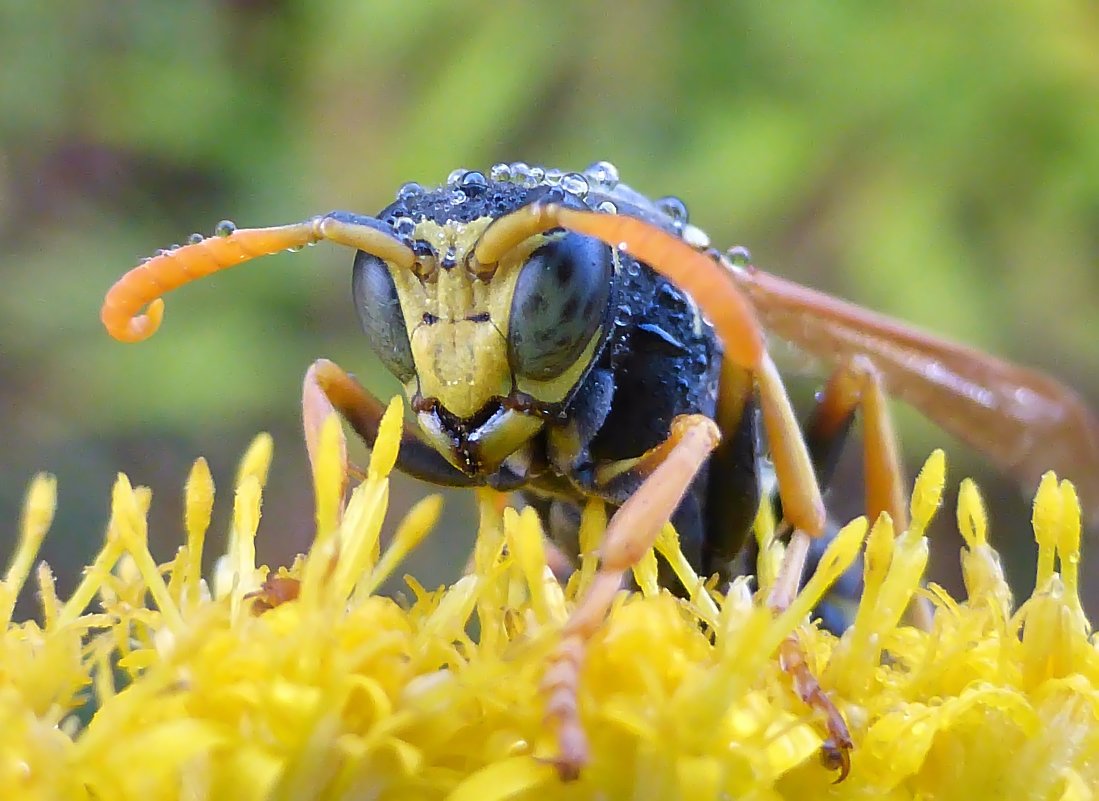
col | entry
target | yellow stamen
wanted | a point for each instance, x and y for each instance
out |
(256, 461)
(1048, 504)
(388, 441)
(359, 536)
(412, 531)
(242, 553)
(525, 542)
(328, 479)
(133, 534)
(38, 512)
(198, 505)
(1068, 545)
(927, 492)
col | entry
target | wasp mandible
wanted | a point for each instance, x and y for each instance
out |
(562, 335)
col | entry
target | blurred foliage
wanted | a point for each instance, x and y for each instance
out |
(939, 163)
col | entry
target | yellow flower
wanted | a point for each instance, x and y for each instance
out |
(151, 682)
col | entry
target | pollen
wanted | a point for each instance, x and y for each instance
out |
(155, 681)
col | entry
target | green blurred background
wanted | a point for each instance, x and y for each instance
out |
(940, 164)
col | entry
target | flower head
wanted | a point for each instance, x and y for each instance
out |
(151, 681)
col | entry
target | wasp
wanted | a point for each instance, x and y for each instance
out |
(562, 335)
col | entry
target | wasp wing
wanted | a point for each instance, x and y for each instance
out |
(1024, 421)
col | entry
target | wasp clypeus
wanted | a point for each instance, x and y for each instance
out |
(564, 336)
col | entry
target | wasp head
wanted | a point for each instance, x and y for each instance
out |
(487, 352)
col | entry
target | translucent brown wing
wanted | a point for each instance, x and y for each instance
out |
(1024, 421)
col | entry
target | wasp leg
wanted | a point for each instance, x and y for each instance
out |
(734, 484)
(328, 388)
(858, 387)
(797, 480)
(669, 470)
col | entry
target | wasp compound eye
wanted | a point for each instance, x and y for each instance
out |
(380, 313)
(560, 298)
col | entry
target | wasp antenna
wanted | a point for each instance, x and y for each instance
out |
(702, 277)
(368, 234)
(169, 269)
(508, 231)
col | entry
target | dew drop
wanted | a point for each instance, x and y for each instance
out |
(409, 190)
(520, 174)
(225, 228)
(674, 208)
(739, 255)
(607, 207)
(695, 237)
(195, 238)
(455, 176)
(603, 173)
(552, 177)
(404, 226)
(500, 173)
(474, 183)
(574, 183)
(458, 197)
(537, 174)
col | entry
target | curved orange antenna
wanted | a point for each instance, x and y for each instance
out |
(145, 284)
(705, 279)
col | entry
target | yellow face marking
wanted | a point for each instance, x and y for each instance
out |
(461, 355)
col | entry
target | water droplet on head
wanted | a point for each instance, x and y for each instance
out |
(474, 183)
(552, 177)
(195, 238)
(225, 228)
(500, 173)
(576, 184)
(695, 237)
(455, 176)
(146, 259)
(739, 255)
(520, 174)
(458, 197)
(603, 173)
(607, 207)
(409, 190)
(404, 227)
(537, 174)
(674, 208)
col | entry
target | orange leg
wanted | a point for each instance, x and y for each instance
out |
(858, 387)
(670, 468)
(327, 389)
